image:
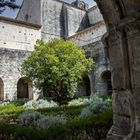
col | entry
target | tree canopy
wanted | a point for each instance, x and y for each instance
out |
(8, 3)
(56, 67)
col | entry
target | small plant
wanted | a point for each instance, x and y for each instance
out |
(30, 118)
(38, 104)
(96, 105)
(37, 120)
(86, 112)
(50, 121)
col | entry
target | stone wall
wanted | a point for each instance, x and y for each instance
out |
(94, 15)
(17, 40)
(18, 35)
(97, 52)
(10, 61)
(56, 17)
(89, 35)
(52, 24)
(90, 40)
(76, 20)
(60, 19)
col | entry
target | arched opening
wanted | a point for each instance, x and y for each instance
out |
(106, 77)
(84, 87)
(86, 83)
(24, 89)
(123, 45)
(1, 89)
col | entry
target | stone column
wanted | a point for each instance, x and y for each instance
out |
(124, 54)
(132, 30)
(122, 18)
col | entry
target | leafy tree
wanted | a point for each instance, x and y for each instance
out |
(56, 67)
(8, 3)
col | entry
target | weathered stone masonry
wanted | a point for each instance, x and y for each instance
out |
(122, 42)
(17, 40)
(58, 19)
(90, 40)
(122, 18)
(10, 62)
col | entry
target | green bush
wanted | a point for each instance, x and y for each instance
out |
(36, 104)
(96, 105)
(39, 121)
(79, 101)
(50, 121)
(30, 119)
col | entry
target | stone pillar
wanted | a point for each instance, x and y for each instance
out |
(122, 18)
(124, 54)
(133, 41)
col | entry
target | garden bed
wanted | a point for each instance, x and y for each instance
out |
(90, 128)
(88, 120)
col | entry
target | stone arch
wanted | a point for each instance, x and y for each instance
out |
(84, 88)
(122, 41)
(106, 77)
(24, 89)
(1, 89)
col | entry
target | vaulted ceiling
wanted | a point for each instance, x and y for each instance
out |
(116, 10)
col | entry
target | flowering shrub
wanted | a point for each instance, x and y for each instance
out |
(37, 120)
(96, 105)
(79, 101)
(37, 104)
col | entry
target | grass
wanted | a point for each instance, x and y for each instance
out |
(12, 111)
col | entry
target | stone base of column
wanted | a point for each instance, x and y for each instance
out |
(122, 106)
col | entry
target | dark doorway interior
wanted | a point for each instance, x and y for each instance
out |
(22, 89)
(106, 76)
(86, 84)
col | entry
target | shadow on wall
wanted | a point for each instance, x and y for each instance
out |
(84, 23)
(1, 89)
(63, 32)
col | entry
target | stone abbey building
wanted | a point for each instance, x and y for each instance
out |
(48, 19)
